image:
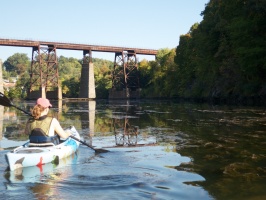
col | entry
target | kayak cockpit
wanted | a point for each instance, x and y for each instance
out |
(31, 150)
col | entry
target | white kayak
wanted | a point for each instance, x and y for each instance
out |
(36, 155)
(34, 174)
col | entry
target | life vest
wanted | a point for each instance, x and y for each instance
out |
(39, 131)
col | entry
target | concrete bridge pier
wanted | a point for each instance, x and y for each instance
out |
(87, 82)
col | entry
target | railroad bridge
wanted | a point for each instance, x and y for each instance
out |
(44, 77)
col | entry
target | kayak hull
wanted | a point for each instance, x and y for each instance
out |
(26, 156)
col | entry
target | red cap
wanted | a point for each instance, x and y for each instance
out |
(44, 102)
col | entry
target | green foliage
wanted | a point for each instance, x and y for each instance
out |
(70, 87)
(17, 64)
(103, 77)
(70, 72)
(68, 68)
(157, 77)
(145, 74)
(224, 56)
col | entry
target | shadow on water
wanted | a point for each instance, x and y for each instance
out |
(158, 150)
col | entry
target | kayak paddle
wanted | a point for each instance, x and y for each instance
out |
(4, 101)
(82, 142)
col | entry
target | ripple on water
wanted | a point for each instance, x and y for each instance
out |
(138, 172)
(141, 172)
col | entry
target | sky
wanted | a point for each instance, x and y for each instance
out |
(149, 24)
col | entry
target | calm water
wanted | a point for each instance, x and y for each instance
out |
(158, 150)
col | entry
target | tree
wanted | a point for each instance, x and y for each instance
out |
(17, 64)
(157, 77)
(70, 72)
(69, 75)
(103, 78)
(224, 56)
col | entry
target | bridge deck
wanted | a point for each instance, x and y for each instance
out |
(72, 46)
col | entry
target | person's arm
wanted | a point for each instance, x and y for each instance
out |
(59, 130)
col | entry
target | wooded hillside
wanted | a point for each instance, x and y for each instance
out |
(221, 58)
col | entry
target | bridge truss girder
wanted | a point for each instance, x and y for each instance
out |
(44, 68)
(125, 74)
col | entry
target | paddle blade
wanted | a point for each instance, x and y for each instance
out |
(101, 151)
(4, 101)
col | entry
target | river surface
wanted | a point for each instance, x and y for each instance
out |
(157, 150)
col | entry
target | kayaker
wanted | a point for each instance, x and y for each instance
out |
(42, 128)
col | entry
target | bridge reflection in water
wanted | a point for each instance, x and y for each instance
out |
(117, 127)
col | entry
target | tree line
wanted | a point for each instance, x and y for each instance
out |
(222, 58)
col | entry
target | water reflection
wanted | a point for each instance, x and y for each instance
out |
(45, 177)
(125, 133)
(39, 173)
(1, 124)
(223, 149)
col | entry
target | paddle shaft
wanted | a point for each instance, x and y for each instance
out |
(82, 142)
(22, 110)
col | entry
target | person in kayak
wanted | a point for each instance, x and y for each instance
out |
(44, 129)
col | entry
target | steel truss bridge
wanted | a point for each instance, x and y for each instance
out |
(44, 77)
